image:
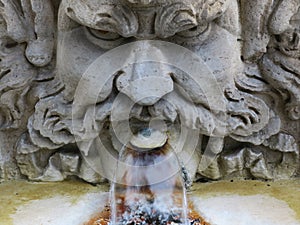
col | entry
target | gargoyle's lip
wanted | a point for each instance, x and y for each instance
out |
(133, 129)
(147, 139)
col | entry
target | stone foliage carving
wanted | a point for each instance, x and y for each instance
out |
(250, 47)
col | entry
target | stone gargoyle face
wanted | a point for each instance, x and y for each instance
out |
(90, 29)
(172, 67)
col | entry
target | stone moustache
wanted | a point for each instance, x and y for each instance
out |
(219, 77)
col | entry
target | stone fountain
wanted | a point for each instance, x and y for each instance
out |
(89, 87)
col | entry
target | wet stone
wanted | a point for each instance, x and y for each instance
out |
(145, 215)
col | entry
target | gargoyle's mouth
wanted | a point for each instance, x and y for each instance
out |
(144, 131)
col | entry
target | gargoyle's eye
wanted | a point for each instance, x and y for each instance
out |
(193, 32)
(105, 35)
(103, 39)
(193, 36)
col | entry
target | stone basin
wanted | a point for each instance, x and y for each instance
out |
(235, 202)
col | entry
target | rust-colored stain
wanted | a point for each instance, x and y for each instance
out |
(103, 217)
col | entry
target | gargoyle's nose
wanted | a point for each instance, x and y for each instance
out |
(145, 82)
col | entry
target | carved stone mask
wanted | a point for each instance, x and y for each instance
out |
(188, 69)
(90, 29)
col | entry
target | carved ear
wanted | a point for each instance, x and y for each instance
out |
(212, 9)
(40, 48)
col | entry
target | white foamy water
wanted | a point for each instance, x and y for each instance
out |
(60, 210)
(245, 210)
(219, 210)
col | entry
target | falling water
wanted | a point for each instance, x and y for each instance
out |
(148, 187)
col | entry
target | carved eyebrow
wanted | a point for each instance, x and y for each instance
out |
(174, 18)
(108, 17)
(97, 19)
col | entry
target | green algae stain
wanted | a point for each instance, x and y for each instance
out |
(16, 193)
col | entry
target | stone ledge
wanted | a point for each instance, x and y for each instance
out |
(220, 203)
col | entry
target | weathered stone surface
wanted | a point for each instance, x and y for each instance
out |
(221, 77)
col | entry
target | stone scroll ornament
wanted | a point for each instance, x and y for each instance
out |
(251, 49)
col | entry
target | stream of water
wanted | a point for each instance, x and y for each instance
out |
(148, 188)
